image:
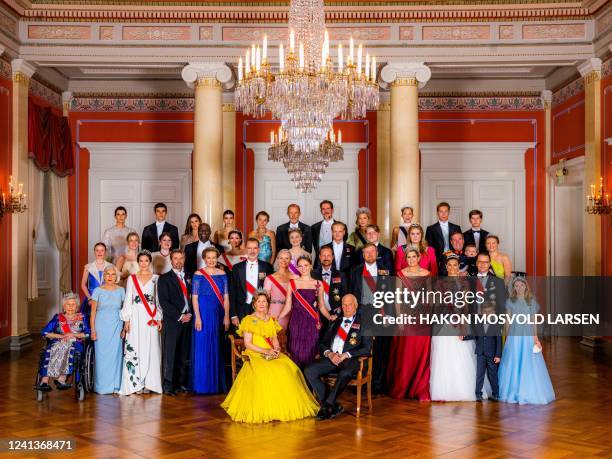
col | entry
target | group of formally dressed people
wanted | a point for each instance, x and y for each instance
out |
(158, 307)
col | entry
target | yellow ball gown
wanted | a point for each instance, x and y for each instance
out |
(268, 390)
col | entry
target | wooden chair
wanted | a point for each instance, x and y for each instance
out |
(364, 377)
(238, 347)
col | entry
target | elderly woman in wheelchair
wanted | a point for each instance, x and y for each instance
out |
(64, 336)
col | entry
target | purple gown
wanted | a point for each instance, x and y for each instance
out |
(303, 332)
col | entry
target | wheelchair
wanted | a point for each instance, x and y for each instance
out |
(82, 377)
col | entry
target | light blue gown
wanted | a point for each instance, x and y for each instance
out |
(108, 345)
(265, 249)
(523, 377)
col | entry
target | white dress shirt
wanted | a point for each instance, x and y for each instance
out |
(252, 272)
(181, 276)
(476, 237)
(338, 247)
(372, 269)
(294, 225)
(326, 276)
(201, 247)
(338, 343)
(325, 236)
(160, 227)
(444, 228)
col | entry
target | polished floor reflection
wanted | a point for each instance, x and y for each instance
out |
(577, 424)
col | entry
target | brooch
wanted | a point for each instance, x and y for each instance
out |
(383, 272)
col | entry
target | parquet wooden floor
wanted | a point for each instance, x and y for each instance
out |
(578, 424)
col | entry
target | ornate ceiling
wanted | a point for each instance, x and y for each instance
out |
(141, 46)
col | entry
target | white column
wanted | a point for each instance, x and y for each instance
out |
(546, 96)
(20, 335)
(207, 159)
(405, 79)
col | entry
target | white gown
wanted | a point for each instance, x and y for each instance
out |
(142, 357)
(453, 370)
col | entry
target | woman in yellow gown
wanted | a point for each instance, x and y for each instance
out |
(500, 262)
(269, 387)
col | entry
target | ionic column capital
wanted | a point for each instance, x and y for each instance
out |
(212, 74)
(590, 69)
(66, 100)
(405, 74)
(22, 70)
(546, 96)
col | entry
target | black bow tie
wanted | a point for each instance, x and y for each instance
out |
(476, 231)
(347, 321)
(328, 273)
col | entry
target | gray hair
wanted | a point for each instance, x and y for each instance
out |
(68, 296)
(109, 267)
(283, 251)
(362, 210)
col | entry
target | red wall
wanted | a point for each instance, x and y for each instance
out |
(5, 223)
(506, 126)
(606, 155)
(568, 129)
(258, 130)
(527, 126)
(112, 127)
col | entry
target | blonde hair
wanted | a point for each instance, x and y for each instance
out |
(528, 293)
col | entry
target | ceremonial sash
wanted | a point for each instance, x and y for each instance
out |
(404, 280)
(64, 324)
(309, 309)
(152, 322)
(325, 285)
(294, 269)
(343, 335)
(213, 286)
(183, 286)
(228, 263)
(282, 289)
(405, 231)
(369, 279)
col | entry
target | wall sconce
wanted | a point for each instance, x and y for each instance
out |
(598, 202)
(13, 203)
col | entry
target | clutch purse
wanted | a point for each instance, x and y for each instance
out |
(536, 349)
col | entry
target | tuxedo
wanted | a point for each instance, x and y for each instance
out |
(493, 290)
(191, 257)
(238, 291)
(150, 239)
(468, 237)
(282, 237)
(384, 258)
(176, 335)
(488, 346)
(316, 235)
(435, 238)
(338, 287)
(347, 258)
(365, 296)
(356, 345)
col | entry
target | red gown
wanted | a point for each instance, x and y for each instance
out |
(428, 260)
(408, 371)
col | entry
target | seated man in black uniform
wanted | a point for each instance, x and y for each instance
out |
(340, 349)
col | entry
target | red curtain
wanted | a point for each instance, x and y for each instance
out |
(49, 140)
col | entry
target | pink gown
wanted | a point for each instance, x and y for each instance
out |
(428, 260)
(277, 300)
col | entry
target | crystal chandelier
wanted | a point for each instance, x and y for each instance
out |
(598, 202)
(308, 90)
(306, 169)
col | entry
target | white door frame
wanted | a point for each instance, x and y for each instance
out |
(349, 166)
(129, 160)
(479, 160)
(574, 177)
